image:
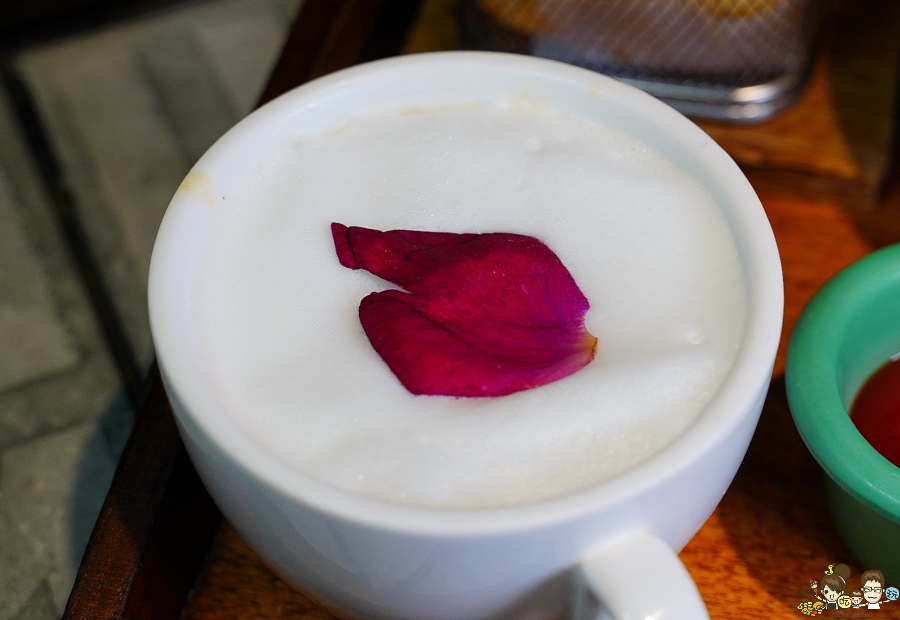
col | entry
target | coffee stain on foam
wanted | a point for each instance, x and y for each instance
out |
(197, 185)
(527, 103)
(438, 109)
(339, 129)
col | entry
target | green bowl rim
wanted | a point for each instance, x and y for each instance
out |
(812, 389)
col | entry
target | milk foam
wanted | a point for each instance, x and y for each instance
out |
(646, 243)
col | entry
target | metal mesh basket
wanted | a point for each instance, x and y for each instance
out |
(727, 59)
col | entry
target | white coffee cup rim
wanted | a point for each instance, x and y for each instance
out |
(182, 232)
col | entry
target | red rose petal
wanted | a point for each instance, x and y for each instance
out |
(484, 315)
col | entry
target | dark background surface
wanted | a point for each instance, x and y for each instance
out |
(23, 22)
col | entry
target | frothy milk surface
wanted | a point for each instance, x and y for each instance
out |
(277, 314)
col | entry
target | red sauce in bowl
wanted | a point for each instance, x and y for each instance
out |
(876, 411)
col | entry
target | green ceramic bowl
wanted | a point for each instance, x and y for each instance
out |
(849, 330)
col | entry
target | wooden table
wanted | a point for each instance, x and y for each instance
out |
(160, 549)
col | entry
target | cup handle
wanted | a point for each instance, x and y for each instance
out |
(639, 576)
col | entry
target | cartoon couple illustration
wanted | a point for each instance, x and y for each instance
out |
(831, 592)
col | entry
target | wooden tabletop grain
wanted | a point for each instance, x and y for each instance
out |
(770, 534)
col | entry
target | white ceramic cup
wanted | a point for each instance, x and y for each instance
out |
(615, 542)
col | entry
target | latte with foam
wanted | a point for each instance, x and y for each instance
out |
(277, 317)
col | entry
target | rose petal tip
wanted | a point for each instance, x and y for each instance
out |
(342, 245)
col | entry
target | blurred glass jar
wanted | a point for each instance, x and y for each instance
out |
(739, 60)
